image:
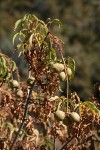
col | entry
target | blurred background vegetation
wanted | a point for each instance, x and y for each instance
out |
(80, 33)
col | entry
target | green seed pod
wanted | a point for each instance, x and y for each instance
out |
(15, 84)
(62, 75)
(75, 117)
(60, 115)
(19, 93)
(69, 72)
(58, 67)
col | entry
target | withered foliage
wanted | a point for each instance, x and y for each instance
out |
(32, 116)
(41, 125)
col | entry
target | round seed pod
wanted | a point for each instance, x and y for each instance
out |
(62, 75)
(75, 117)
(60, 115)
(31, 80)
(58, 67)
(19, 93)
(69, 72)
(15, 84)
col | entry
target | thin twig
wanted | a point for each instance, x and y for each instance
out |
(67, 82)
(54, 143)
(64, 146)
(44, 40)
(54, 140)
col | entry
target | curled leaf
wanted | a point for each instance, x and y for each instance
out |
(13, 65)
(58, 22)
(18, 22)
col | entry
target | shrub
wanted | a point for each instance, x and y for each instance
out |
(32, 115)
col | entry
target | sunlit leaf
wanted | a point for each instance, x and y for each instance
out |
(13, 65)
(4, 71)
(91, 106)
(58, 105)
(18, 22)
(53, 98)
(48, 143)
(42, 22)
(31, 39)
(35, 18)
(3, 61)
(14, 37)
(70, 62)
(53, 52)
(27, 17)
(58, 22)
(19, 45)
(10, 126)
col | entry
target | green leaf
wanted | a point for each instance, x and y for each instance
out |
(46, 29)
(58, 105)
(22, 48)
(27, 17)
(3, 61)
(35, 18)
(57, 21)
(21, 37)
(53, 52)
(3, 67)
(91, 106)
(67, 100)
(31, 39)
(9, 74)
(70, 101)
(42, 22)
(13, 65)
(60, 89)
(4, 71)
(18, 22)
(19, 45)
(35, 35)
(71, 64)
(14, 37)
(10, 126)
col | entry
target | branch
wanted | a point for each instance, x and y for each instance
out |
(54, 140)
(24, 116)
(44, 40)
(67, 82)
(64, 146)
